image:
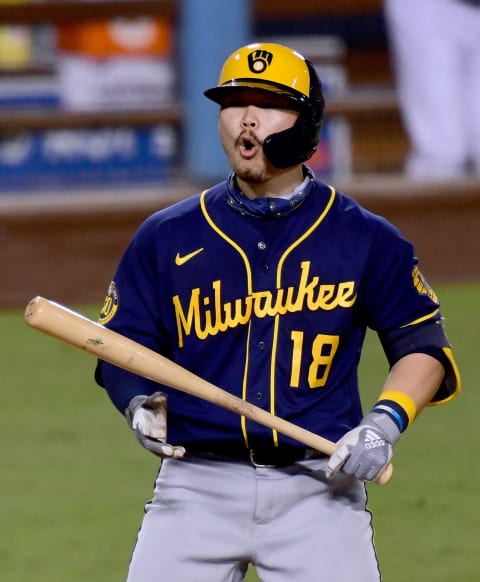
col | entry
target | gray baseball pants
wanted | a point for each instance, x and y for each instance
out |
(209, 519)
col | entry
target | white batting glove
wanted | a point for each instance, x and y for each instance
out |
(147, 416)
(366, 450)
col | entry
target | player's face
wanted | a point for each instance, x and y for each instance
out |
(245, 120)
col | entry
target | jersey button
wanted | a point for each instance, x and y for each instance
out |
(261, 245)
(261, 345)
(259, 396)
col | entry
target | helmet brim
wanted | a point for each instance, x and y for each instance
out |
(294, 99)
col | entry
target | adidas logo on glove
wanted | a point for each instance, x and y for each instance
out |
(373, 440)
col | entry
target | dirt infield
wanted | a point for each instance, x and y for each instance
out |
(66, 249)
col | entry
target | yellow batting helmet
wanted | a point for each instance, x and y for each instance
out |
(275, 68)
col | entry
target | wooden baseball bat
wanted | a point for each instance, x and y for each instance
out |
(79, 331)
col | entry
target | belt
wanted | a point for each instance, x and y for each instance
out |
(272, 457)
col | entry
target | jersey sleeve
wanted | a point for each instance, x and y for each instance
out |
(403, 308)
(131, 308)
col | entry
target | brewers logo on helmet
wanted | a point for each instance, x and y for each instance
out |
(275, 68)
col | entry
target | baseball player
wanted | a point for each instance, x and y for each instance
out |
(265, 285)
(436, 50)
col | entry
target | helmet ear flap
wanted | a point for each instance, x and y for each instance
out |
(296, 144)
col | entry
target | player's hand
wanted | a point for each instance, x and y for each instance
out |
(147, 416)
(366, 450)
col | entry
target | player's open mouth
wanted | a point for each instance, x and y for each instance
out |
(248, 147)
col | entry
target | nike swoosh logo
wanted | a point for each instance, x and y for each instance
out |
(182, 260)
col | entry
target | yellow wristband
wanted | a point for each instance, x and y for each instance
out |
(399, 406)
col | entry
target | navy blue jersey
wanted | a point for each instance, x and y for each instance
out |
(273, 309)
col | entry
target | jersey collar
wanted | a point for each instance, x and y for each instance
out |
(269, 207)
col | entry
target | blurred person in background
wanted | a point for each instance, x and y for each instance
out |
(436, 56)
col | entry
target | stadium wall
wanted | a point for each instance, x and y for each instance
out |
(67, 249)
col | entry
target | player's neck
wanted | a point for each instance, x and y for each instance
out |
(278, 186)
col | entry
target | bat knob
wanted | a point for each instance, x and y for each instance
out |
(385, 475)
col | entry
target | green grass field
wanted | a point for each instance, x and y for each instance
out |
(74, 480)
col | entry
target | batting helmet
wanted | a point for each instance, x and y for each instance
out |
(275, 68)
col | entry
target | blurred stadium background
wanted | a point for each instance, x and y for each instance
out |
(102, 121)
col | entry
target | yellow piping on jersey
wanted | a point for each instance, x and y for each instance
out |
(281, 262)
(452, 375)
(452, 378)
(241, 252)
(420, 319)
